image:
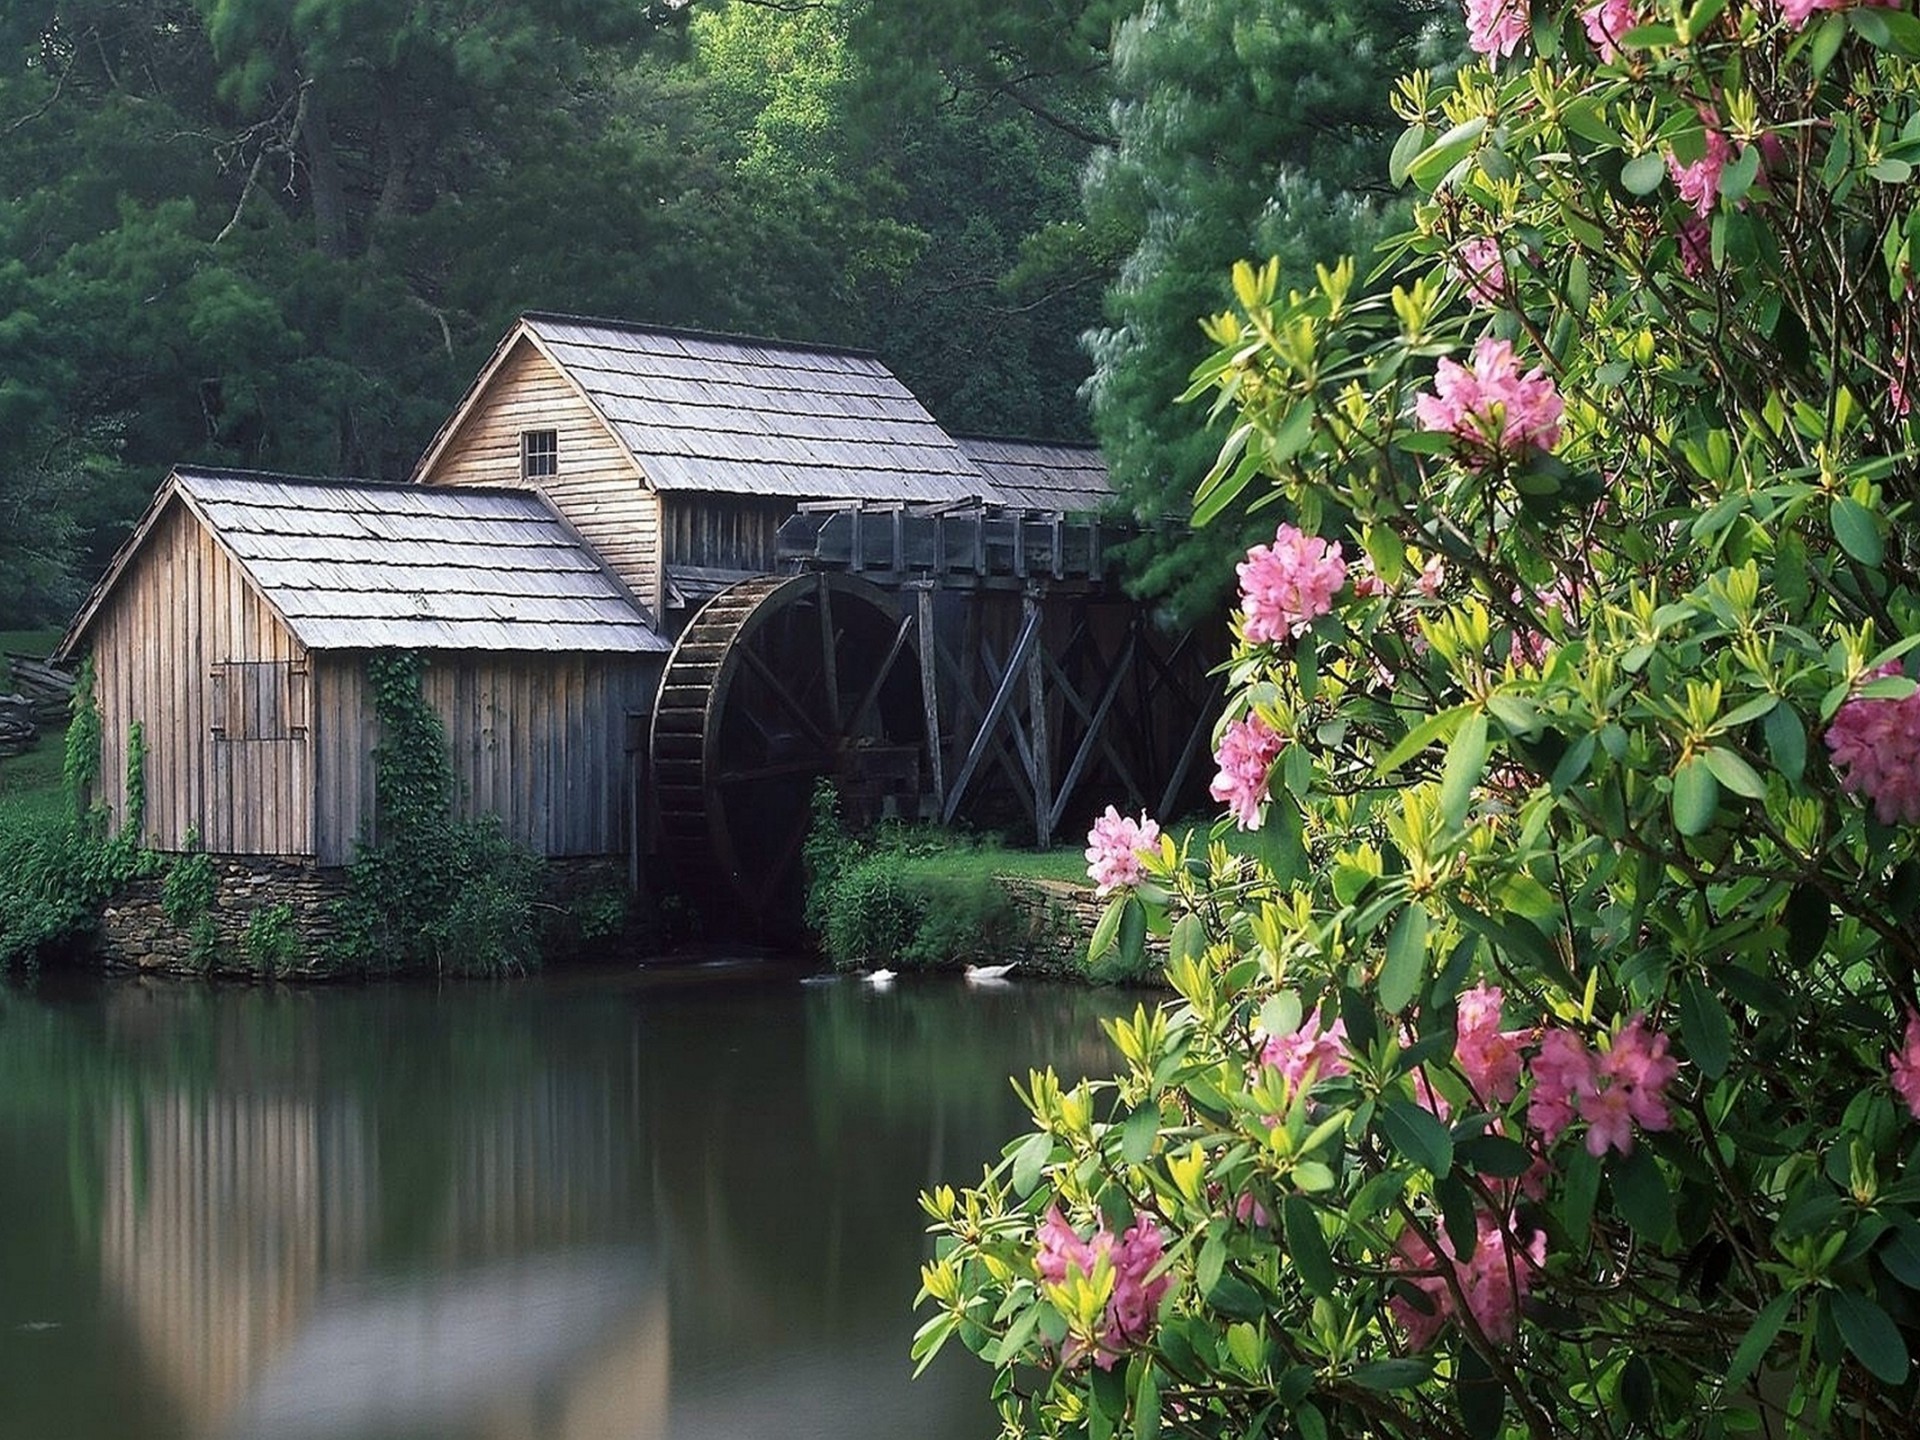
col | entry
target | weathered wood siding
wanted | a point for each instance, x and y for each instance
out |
(597, 486)
(732, 532)
(539, 740)
(220, 688)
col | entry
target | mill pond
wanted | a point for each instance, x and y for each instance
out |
(660, 1204)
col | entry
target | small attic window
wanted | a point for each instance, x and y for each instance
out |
(539, 453)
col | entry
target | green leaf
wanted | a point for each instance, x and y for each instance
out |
(1735, 773)
(1434, 727)
(1495, 1155)
(1737, 179)
(1189, 938)
(1466, 761)
(1413, 140)
(1643, 174)
(1406, 958)
(1146, 1404)
(1431, 165)
(1139, 1133)
(1758, 1340)
(1854, 528)
(1418, 1136)
(1105, 933)
(1900, 1251)
(1696, 796)
(1786, 742)
(1307, 1246)
(1211, 1264)
(1029, 1160)
(1703, 1025)
(1233, 1297)
(1871, 1336)
(1402, 1374)
(1480, 1395)
(1640, 1189)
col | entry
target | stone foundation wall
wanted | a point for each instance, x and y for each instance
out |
(135, 930)
(232, 937)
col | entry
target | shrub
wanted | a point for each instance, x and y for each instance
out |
(430, 892)
(271, 943)
(1557, 1069)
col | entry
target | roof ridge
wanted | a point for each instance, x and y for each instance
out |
(345, 482)
(684, 333)
(1093, 445)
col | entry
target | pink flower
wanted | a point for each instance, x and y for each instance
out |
(1134, 1303)
(1309, 1053)
(1114, 848)
(1876, 749)
(1494, 1283)
(1699, 181)
(1613, 1093)
(1487, 1055)
(1247, 751)
(1798, 12)
(1286, 586)
(1433, 575)
(1606, 22)
(1249, 1211)
(1495, 27)
(1561, 1072)
(1490, 406)
(1367, 584)
(1904, 1064)
(1478, 264)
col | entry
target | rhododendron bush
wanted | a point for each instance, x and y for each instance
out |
(1546, 1060)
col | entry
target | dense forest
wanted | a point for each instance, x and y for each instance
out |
(284, 234)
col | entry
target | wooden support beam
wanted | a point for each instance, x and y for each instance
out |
(829, 665)
(1041, 765)
(930, 694)
(990, 720)
(1096, 730)
(858, 715)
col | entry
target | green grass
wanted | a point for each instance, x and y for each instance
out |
(32, 786)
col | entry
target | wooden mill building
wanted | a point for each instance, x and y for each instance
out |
(678, 455)
(598, 483)
(234, 624)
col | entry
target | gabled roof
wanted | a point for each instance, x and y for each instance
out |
(1042, 475)
(733, 415)
(354, 564)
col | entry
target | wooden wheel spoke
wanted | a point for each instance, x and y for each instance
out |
(788, 701)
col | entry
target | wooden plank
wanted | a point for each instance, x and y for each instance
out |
(996, 708)
(930, 695)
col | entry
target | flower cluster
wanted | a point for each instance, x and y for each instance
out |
(1606, 22)
(1798, 12)
(1286, 586)
(1490, 406)
(1487, 1055)
(1481, 270)
(1134, 1303)
(1496, 27)
(1247, 751)
(1308, 1054)
(1698, 181)
(1904, 1065)
(1114, 848)
(1613, 1091)
(1494, 1282)
(1876, 749)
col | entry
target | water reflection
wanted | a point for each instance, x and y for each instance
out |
(573, 1207)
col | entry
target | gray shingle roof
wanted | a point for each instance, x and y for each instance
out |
(760, 417)
(357, 565)
(1039, 475)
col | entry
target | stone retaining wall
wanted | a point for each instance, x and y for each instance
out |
(236, 933)
(135, 930)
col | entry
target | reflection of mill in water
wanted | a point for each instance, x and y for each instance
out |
(240, 1233)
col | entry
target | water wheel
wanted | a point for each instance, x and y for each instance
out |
(778, 682)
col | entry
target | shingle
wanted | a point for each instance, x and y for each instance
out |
(353, 564)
